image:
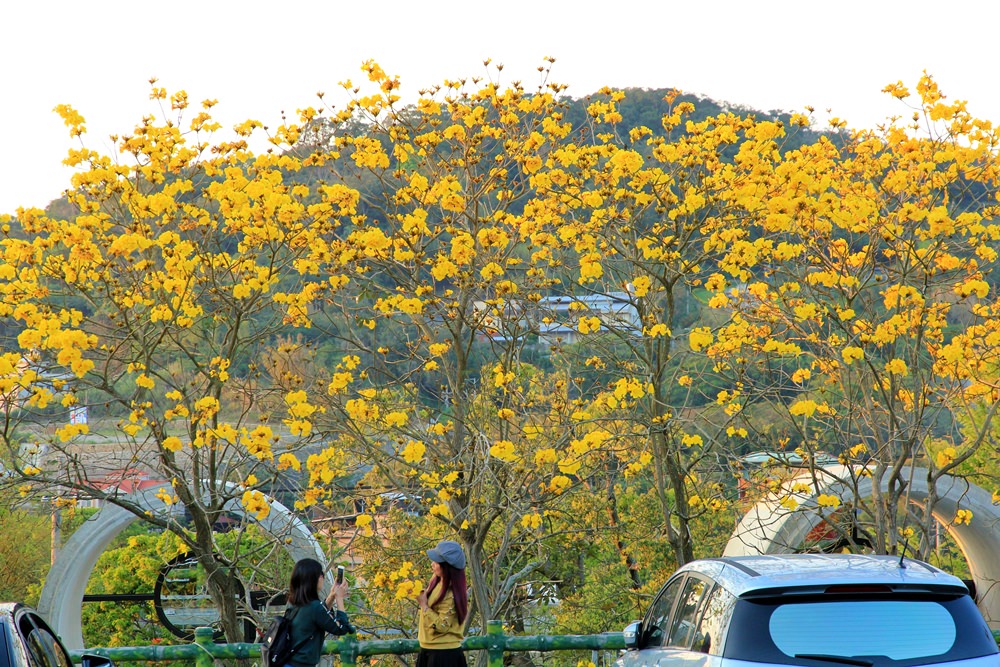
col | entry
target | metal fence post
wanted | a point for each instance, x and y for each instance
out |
(348, 650)
(496, 642)
(203, 637)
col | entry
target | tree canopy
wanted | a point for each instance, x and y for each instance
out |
(547, 329)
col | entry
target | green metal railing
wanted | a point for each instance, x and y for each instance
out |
(204, 650)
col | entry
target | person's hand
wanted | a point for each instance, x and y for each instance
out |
(338, 593)
(422, 600)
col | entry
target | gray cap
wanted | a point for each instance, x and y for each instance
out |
(448, 552)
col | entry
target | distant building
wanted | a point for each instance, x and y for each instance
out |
(555, 319)
(559, 316)
(47, 378)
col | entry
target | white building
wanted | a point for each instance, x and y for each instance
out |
(559, 316)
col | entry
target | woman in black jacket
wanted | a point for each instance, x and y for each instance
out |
(314, 619)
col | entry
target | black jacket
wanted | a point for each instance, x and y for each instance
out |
(315, 620)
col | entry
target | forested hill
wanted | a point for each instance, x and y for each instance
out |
(641, 108)
(644, 107)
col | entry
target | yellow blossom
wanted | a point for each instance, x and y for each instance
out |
(441, 509)
(789, 502)
(700, 338)
(364, 523)
(173, 444)
(289, 461)
(559, 484)
(397, 419)
(545, 456)
(851, 354)
(505, 451)
(165, 497)
(640, 286)
(569, 466)
(657, 330)
(255, 503)
(589, 324)
(896, 367)
(70, 431)
(414, 451)
(945, 456)
(827, 500)
(804, 408)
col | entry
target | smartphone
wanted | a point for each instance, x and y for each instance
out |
(340, 574)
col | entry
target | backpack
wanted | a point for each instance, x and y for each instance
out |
(276, 646)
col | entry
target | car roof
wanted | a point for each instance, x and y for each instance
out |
(802, 573)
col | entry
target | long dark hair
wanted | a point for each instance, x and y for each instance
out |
(305, 581)
(452, 579)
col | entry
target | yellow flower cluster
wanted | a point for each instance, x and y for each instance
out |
(254, 502)
(827, 500)
(414, 451)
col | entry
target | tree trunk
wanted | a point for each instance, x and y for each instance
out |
(477, 579)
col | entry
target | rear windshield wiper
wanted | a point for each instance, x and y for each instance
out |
(842, 659)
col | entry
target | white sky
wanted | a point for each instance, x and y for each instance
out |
(259, 58)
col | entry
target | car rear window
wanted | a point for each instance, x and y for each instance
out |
(884, 631)
(896, 629)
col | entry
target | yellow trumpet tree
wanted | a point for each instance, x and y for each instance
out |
(153, 307)
(434, 392)
(651, 217)
(865, 301)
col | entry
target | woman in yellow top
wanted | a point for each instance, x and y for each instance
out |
(443, 607)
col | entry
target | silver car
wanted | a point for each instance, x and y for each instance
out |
(26, 640)
(812, 610)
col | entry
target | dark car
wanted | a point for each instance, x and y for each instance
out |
(26, 640)
(811, 611)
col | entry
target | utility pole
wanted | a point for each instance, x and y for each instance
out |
(56, 533)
